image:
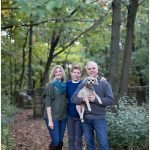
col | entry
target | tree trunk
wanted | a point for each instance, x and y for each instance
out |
(132, 10)
(10, 66)
(23, 61)
(11, 78)
(115, 38)
(15, 69)
(30, 59)
(54, 42)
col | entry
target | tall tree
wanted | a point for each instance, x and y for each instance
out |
(30, 58)
(10, 65)
(56, 35)
(23, 61)
(115, 38)
(54, 42)
(132, 10)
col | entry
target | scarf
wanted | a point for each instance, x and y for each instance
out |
(61, 86)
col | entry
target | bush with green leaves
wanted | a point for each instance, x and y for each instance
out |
(128, 127)
(7, 142)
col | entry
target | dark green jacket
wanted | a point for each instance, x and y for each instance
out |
(57, 101)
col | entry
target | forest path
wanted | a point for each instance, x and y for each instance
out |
(30, 133)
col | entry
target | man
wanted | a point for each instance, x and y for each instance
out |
(95, 121)
(74, 127)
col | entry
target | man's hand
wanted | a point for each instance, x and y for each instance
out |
(103, 79)
(91, 98)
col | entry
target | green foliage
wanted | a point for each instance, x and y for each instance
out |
(7, 111)
(140, 42)
(128, 128)
(7, 107)
(142, 63)
(93, 45)
(6, 139)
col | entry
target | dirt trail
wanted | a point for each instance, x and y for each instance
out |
(30, 133)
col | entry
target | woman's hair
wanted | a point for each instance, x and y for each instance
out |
(52, 74)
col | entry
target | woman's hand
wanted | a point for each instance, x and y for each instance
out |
(51, 124)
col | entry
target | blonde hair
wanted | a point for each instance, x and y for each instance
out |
(52, 74)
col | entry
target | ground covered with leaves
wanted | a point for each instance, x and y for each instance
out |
(30, 133)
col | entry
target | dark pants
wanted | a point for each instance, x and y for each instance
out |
(57, 133)
(99, 126)
(75, 133)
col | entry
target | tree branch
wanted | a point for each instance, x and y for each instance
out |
(46, 21)
(85, 31)
(141, 2)
(8, 8)
(124, 4)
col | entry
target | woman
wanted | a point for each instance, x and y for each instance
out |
(55, 114)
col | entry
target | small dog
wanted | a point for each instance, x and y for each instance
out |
(84, 93)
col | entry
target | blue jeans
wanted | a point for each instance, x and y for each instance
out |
(57, 133)
(75, 133)
(99, 126)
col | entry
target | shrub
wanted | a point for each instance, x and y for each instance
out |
(7, 111)
(128, 127)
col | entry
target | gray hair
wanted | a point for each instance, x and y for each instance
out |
(91, 62)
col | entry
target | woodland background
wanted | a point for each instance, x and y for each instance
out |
(36, 35)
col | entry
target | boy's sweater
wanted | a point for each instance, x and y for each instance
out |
(71, 107)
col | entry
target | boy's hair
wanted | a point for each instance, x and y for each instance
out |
(76, 67)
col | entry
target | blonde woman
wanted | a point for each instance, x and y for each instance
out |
(55, 114)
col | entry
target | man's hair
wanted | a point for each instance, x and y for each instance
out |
(91, 62)
(76, 67)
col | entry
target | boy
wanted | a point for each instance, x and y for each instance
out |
(74, 127)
